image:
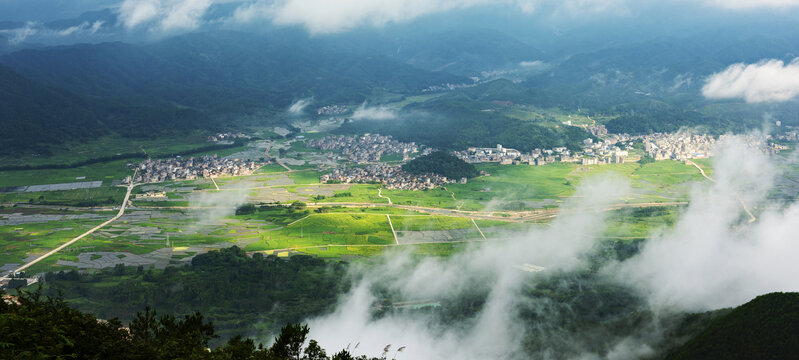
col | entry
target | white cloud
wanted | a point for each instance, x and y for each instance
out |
(19, 35)
(373, 113)
(298, 106)
(766, 81)
(325, 16)
(749, 4)
(495, 332)
(713, 257)
(164, 15)
(83, 27)
(329, 16)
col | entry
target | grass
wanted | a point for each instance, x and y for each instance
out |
(271, 169)
(104, 195)
(305, 177)
(323, 229)
(412, 100)
(109, 146)
(630, 224)
(421, 223)
(361, 193)
(19, 241)
(438, 198)
(374, 210)
(393, 158)
(666, 177)
(106, 172)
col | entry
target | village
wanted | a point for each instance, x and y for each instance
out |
(179, 168)
(391, 176)
(366, 148)
(369, 150)
(227, 137)
(332, 110)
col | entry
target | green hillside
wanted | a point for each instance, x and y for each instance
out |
(764, 328)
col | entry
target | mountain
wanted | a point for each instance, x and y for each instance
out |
(38, 118)
(223, 71)
(458, 49)
(467, 51)
(764, 328)
(33, 115)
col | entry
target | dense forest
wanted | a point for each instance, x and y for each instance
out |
(35, 326)
(764, 328)
(457, 123)
(231, 289)
(565, 313)
(441, 163)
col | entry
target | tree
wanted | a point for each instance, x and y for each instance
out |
(288, 345)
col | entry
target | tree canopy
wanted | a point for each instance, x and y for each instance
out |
(441, 163)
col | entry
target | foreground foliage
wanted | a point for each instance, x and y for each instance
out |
(39, 327)
(231, 289)
(443, 164)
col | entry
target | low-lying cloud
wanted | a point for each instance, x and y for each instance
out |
(365, 112)
(323, 16)
(494, 333)
(749, 4)
(712, 257)
(164, 15)
(765, 81)
(33, 31)
(299, 106)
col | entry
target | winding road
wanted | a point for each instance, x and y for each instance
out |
(752, 218)
(68, 243)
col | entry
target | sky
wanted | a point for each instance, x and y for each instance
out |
(331, 16)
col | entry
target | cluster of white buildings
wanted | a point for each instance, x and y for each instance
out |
(366, 148)
(678, 146)
(593, 154)
(189, 169)
(332, 110)
(226, 137)
(392, 177)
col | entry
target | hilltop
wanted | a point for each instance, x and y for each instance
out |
(764, 328)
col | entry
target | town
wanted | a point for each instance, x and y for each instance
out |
(178, 168)
(367, 148)
(392, 177)
(332, 110)
(226, 137)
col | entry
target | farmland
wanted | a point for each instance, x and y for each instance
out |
(295, 214)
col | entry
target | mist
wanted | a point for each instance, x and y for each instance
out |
(365, 112)
(711, 258)
(299, 106)
(493, 266)
(210, 208)
(714, 257)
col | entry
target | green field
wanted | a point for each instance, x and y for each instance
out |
(420, 223)
(114, 170)
(271, 169)
(109, 146)
(303, 177)
(104, 195)
(324, 229)
(360, 193)
(19, 241)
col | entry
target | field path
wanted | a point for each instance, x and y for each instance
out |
(380, 195)
(98, 227)
(752, 218)
(478, 229)
(277, 161)
(396, 240)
